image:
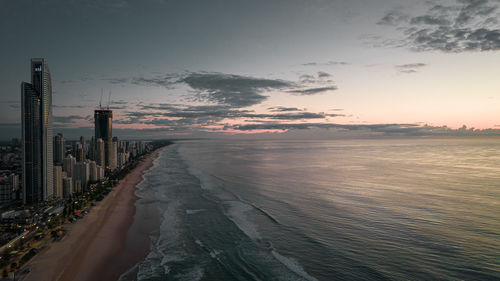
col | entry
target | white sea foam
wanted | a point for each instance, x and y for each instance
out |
(143, 185)
(237, 212)
(156, 263)
(195, 274)
(192, 212)
(150, 267)
(205, 182)
(294, 266)
(214, 253)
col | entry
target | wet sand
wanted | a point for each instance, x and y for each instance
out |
(96, 247)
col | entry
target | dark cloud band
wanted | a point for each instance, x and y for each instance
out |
(469, 25)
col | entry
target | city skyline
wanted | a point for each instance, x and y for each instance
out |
(355, 68)
(46, 167)
(250, 140)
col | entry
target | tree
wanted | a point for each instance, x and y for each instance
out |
(6, 255)
(19, 245)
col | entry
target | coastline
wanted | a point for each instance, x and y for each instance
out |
(96, 248)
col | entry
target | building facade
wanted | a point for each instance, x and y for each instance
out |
(67, 187)
(59, 149)
(93, 172)
(69, 165)
(36, 119)
(6, 190)
(103, 119)
(82, 174)
(100, 152)
(58, 182)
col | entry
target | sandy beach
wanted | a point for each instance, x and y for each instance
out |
(96, 247)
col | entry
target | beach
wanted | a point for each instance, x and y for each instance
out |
(95, 247)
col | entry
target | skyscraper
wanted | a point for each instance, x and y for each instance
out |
(36, 98)
(94, 177)
(84, 148)
(59, 149)
(78, 152)
(103, 119)
(58, 182)
(100, 153)
(69, 165)
(113, 154)
(67, 187)
(82, 174)
(92, 148)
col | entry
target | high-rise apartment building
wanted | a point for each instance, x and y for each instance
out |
(100, 157)
(103, 119)
(59, 149)
(67, 187)
(92, 148)
(69, 165)
(94, 177)
(36, 119)
(82, 174)
(113, 162)
(7, 188)
(77, 186)
(84, 148)
(58, 182)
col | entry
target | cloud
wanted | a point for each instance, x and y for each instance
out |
(67, 119)
(313, 91)
(117, 80)
(372, 129)
(283, 109)
(393, 18)
(223, 89)
(466, 25)
(322, 74)
(410, 67)
(170, 115)
(291, 116)
(429, 20)
(119, 102)
(167, 81)
(321, 78)
(116, 107)
(303, 126)
(233, 90)
(328, 63)
(306, 78)
(69, 106)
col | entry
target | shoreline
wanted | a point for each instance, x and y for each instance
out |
(96, 248)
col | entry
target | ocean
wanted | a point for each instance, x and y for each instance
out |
(385, 209)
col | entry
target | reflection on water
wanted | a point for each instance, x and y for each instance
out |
(405, 209)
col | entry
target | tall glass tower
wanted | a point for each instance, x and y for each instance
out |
(37, 146)
(59, 149)
(103, 119)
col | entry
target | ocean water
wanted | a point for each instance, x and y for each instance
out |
(398, 209)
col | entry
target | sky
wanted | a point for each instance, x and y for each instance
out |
(201, 68)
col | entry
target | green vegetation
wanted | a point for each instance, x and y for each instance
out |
(28, 255)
